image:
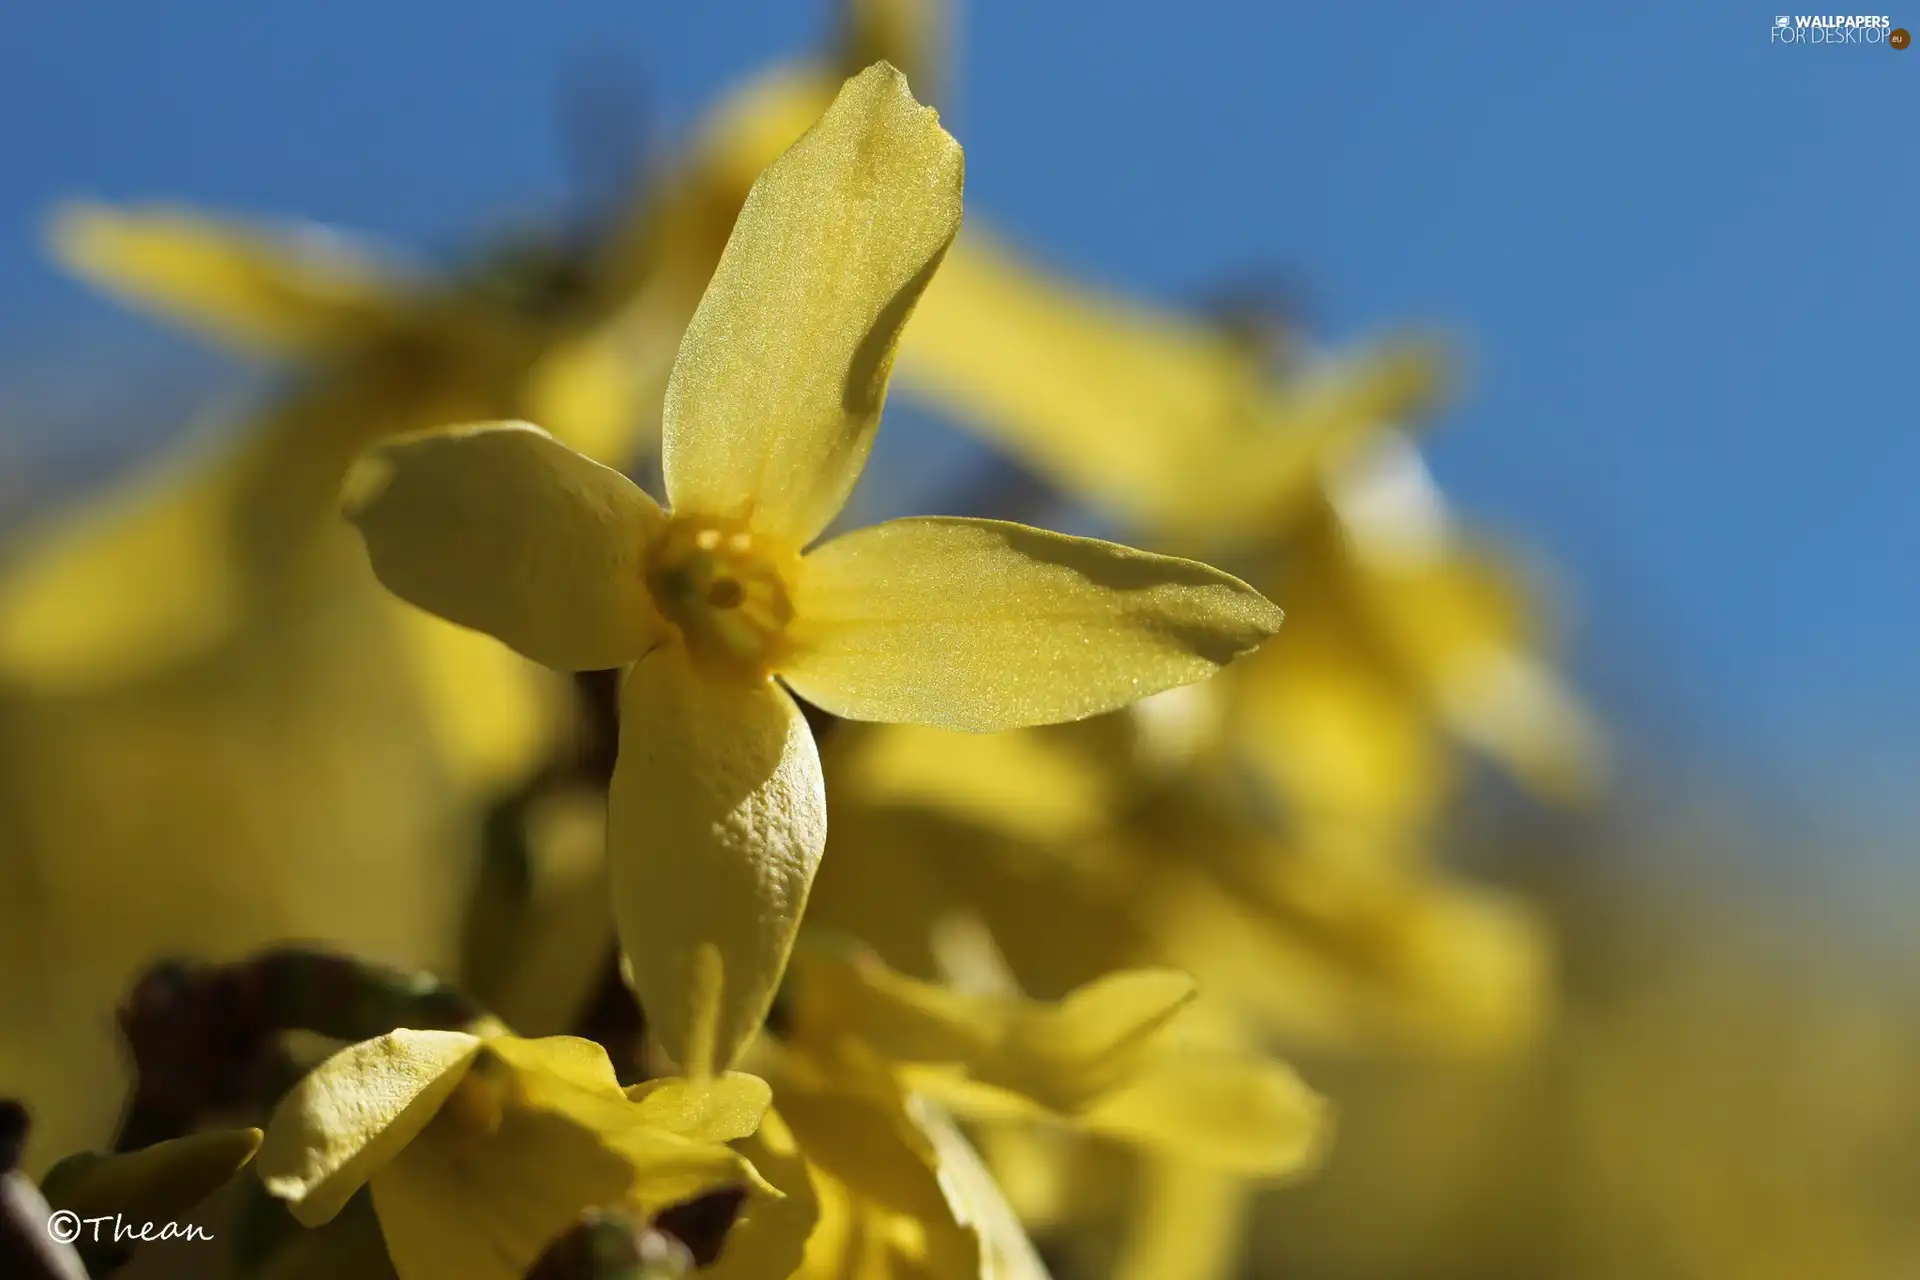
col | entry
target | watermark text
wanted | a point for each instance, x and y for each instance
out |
(68, 1227)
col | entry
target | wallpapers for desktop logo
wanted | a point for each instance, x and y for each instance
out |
(1854, 29)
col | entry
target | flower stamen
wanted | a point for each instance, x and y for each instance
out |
(725, 590)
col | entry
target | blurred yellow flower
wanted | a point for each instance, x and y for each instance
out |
(1082, 852)
(1163, 420)
(396, 345)
(717, 813)
(883, 1186)
(869, 1065)
(1406, 632)
(479, 1150)
(1105, 1060)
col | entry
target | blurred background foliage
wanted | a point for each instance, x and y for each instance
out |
(1601, 956)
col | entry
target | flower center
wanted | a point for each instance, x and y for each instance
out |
(725, 589)
(473, 1113)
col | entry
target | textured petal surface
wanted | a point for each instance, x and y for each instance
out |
(772, 405)
(983, 625)
(481, 1202)
(355, 1113)
(723, 1108)
(568, 1061)
(503, 529)
(716, 821)
(287, 290)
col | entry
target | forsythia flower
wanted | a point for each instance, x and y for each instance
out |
(1407, 630)
(1165, 421)
(1200, 1121)
(1080, 858)
(717, 810)
(394, 346)
(481, 1149)
(1104, 1060)
(884, 1184)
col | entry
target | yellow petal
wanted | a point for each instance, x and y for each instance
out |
(354, 1113)
(1064, 1058)
(1059, 1055)
(1166, 421)
(505, 530)
(1229, 1111)
(772, 405)
(722, 1108)
(294, 291)
(1186, 1220)
(838, 994)
(492, 712)
(482, 1203)
(1462, 623)
(977, 1202)
(571, 1060)
(1338, 733)
(873, 1149)
(984, 625)
(1460, 619)
(589, 390)
(716, 820)
(1098, 1034)
(1022, 783)
(772, 1232)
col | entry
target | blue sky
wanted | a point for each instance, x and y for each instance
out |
(1683, 259)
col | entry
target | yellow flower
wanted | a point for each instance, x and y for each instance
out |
(1169, 423)
(1105, 1060)
(1080, 858)
(1406, 630)
(481, 1149)
(1199, 1119)
(394, 345)
(717, 812)
(1163, 419)
(884, 1185)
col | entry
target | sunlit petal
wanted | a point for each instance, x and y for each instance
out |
(482, 1203)
(355, 1113)
(717, 818)
(505, 530)
(983, 625)
(721, 1108)
(773, 402)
